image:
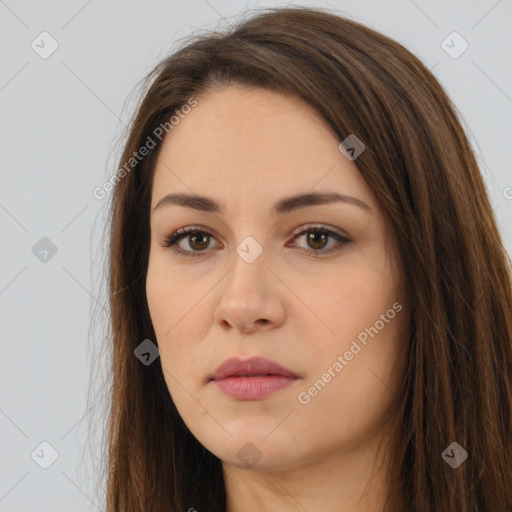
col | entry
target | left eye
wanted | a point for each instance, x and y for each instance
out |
(198, 240)
(317, 237)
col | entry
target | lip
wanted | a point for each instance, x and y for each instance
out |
(234, 367)
(252, 379)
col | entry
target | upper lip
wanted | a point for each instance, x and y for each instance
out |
(253, 366)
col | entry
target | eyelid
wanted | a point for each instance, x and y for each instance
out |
(171, 240)
(319, 227)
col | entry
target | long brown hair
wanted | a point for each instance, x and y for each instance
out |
(422, 169)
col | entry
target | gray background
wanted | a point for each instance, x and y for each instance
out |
(60, 120)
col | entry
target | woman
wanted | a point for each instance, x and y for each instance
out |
(300, 226)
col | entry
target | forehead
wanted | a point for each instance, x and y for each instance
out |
(242, 142)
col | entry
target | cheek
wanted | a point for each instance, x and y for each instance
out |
(179, 317)
(160, 300)
(347, 299)
(355, 400)
(165, 308)
(170, 297)
(363, 317)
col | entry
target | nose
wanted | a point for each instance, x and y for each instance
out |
(251, 298)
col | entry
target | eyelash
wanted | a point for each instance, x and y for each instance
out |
(171, 240)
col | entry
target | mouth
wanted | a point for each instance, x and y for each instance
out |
(253, 387)
(253, 379)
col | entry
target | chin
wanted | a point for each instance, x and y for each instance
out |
(257, 453)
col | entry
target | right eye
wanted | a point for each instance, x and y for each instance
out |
(198, 241)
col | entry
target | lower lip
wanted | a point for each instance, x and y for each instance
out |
(253, 388)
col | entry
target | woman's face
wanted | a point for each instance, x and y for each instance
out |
(308, 284)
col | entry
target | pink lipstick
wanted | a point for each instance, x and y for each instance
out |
(252, 379)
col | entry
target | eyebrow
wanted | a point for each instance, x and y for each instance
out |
(286, 205)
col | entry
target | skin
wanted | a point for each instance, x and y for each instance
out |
(246, 148)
